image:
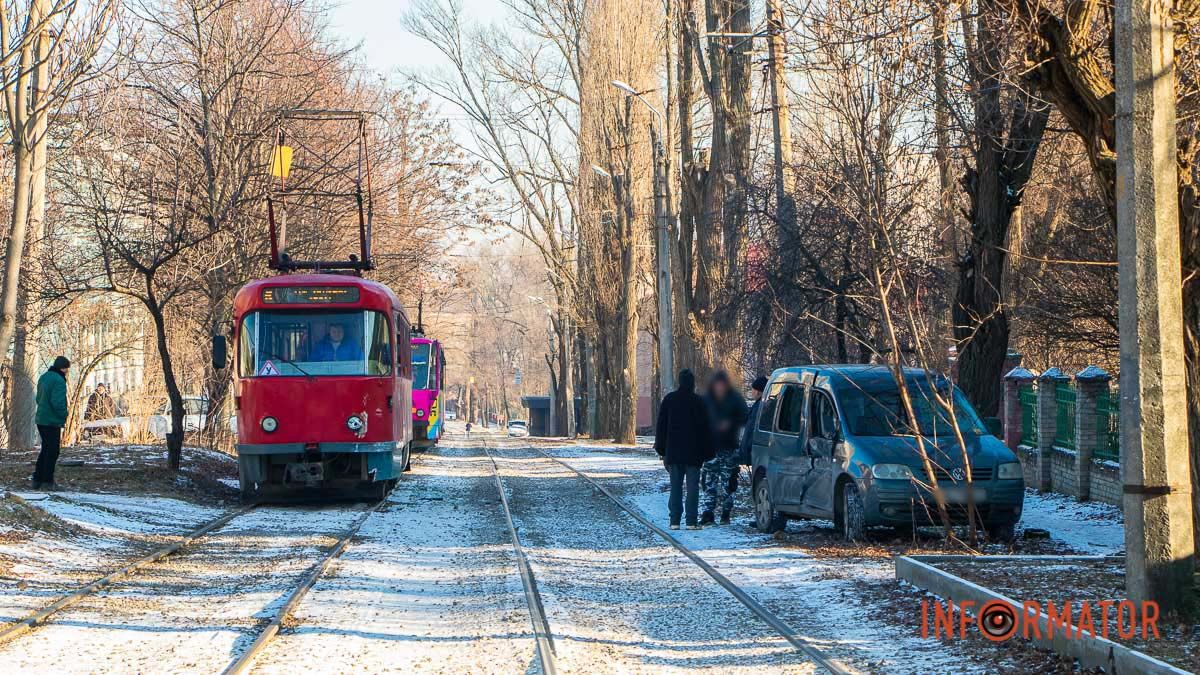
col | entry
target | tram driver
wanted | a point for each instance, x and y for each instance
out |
(335, 347)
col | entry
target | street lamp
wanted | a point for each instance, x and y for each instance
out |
(662, 205)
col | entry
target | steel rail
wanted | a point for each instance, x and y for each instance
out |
(246, 659)
(533, 599)
(33, 620)
(798, 641)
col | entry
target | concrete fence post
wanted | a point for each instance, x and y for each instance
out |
(1012, 417)
(1047, 425)
(1090, 384)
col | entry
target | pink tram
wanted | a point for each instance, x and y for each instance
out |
(429, 376)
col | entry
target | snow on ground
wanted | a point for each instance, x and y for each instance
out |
(1085, 527)
(820, 595)
(429, 586)
(193, 611)
(88, 536)
(617, 597)
(116, 516)
(430, 583)
(816, 596)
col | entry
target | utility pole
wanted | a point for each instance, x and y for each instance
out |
(662, 217)
(1154, 442)
(785, 205)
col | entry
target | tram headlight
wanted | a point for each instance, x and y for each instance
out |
(269, 424)
(420, 412)
(354, 423)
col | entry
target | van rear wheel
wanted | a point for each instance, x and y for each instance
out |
(766, 518)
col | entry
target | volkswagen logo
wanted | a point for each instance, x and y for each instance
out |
(958, 474)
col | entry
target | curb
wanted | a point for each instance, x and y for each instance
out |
(1090, 651)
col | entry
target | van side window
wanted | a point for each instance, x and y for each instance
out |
(822, 417)
(791, 409)
(766, 416)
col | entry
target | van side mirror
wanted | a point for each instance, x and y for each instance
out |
(220, 352)
(994, 426)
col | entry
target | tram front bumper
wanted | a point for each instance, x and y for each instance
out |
(322, 465)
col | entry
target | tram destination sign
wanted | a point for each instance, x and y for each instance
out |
(309, 295)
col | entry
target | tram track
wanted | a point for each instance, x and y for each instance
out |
(798, 642)
(34, 619)
(265, 634)
(246, 659)
(533, 599)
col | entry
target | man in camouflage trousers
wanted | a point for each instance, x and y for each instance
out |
(727, 412)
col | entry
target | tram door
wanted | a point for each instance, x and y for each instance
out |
(402, 396)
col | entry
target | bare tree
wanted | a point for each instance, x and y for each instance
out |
(46, 48)
(519, 91)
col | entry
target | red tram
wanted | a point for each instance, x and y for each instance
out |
(323, 385)
(323, 372)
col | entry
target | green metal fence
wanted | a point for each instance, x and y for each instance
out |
(1027, 396)
(1064, 415)
(1108, 428)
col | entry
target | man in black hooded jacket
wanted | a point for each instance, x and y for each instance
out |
(683, 439)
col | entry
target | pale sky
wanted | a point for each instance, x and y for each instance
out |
(385, 45)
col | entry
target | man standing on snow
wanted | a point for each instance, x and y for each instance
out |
(51, 417)
(683, 440)
(727, 411)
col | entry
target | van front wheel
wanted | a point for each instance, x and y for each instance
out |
(854, 517)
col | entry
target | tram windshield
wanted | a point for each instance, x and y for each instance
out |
(290, 343)
(420, 357)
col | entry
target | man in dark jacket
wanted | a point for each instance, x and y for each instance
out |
(683, 439)
(727, 410)
(51, 417)
(744, 448)
(100, 405)
(756, 392)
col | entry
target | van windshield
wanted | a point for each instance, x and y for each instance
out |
(878, 411)
(290, 343)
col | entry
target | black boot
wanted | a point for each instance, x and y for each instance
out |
(725, 517)
(706, 518)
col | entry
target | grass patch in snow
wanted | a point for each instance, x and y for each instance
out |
(20, 520)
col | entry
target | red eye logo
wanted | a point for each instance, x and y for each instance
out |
(997, 621)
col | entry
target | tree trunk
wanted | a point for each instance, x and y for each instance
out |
(593, 390)
(23, 404)
(1005, 151)
(23, 130)
(1191, 348)
(566, 380)
(174, 396)
(25, 347)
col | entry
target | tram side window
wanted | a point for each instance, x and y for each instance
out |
(403, 347)
(290, 343)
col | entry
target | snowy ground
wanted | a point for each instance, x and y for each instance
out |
(194, 611)
(430, 586)
(430, 583)
(818, 588)
(80, 538)
(618, 598)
